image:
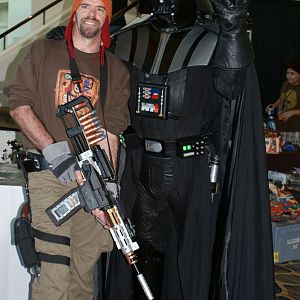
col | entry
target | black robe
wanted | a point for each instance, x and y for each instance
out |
(220, 249)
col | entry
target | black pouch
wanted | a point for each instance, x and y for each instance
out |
(25, 243)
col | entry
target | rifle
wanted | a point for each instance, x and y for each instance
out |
(84, 130)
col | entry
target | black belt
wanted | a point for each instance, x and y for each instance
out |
(156, 146)
(183, 147)
(35, 162)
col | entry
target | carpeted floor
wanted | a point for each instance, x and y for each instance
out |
(287, 276)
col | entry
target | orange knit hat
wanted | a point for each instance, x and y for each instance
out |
(107, 4)
(105, 35)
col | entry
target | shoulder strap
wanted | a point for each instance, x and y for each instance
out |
(103, 85)
(103, 76)
(73, 67)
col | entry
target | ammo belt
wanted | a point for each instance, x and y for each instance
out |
(35, 162)
(183, 147)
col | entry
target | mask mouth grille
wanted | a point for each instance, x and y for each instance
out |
(164, 9)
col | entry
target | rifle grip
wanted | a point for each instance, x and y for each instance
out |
(25, 211)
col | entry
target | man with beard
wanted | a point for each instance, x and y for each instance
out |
(52, 73)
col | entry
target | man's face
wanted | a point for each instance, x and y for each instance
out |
(90, 17)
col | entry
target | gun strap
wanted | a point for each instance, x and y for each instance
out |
(103, 85)
(103, 76)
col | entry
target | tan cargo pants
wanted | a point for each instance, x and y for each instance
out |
(88, 240)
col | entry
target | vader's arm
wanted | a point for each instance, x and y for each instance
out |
(234, 51)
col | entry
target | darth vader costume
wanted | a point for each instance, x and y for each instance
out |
(194, 106)
(195, 180)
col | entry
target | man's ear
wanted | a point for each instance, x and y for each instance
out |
(57, 33)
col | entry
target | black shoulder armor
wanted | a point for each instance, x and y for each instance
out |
(157, 52)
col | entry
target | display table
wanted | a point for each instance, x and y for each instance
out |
(14, 278)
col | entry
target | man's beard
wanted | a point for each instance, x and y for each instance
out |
(88, 31)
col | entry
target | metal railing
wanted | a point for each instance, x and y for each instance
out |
(43, 12)
(122, 12)
(28, 19)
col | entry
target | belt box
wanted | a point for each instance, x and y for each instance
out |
(286, 240)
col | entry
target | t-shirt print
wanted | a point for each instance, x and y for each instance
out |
(67, 91)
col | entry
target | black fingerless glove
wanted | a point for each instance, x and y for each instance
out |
(62, 163)
(57, 33)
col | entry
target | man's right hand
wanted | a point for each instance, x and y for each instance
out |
(63, 163)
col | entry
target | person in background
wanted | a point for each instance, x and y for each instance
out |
(288, 103)
(45, 79)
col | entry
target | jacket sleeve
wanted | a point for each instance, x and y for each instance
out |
(21, 90)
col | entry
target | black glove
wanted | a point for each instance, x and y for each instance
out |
(62, 163)
(57, 33)
(233, 51)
